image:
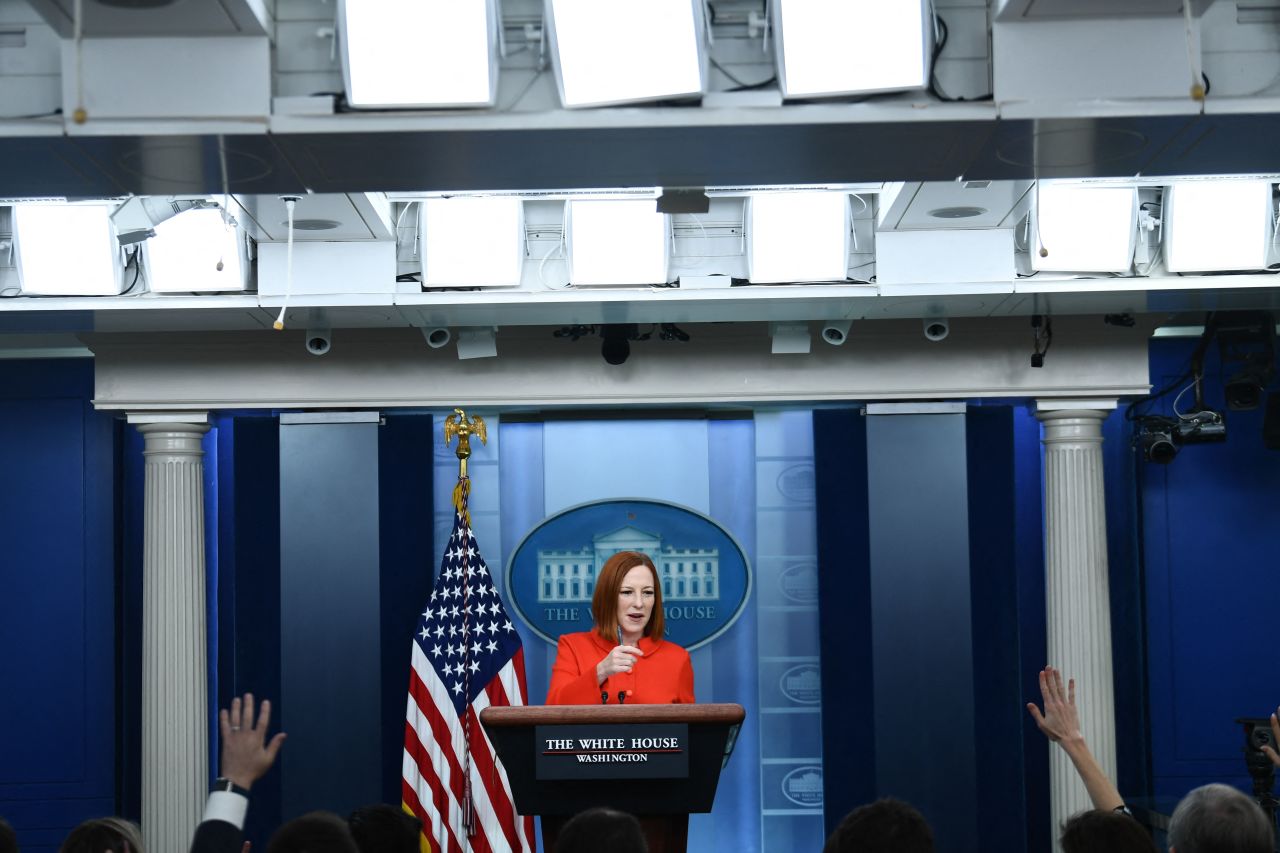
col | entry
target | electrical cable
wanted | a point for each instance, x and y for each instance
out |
(559, 246)
(31, 116)
(741, 85)
(943, 34)
(81, 115)
(1195, 369)
(289, 203)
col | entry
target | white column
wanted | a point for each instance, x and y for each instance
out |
(1077, 598)
(175, 743)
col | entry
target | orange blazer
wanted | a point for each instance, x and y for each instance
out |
(661, 676)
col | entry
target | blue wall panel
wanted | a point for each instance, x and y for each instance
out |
(249, 587)
(921, 623)
(330, 628)
(1210, 551)
(999, 717)
(840, 463)
(57, 602)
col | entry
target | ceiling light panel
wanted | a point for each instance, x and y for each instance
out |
(419, 53)
(1217, 225)
(67, 250)
(840, 47)
(196, 251)
(472, 241)
(615, 52)
(1083, 228)
(616, 242)
(798, 237)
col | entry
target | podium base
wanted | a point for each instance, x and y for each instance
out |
(664, 833)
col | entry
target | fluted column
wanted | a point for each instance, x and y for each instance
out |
(175, 747)
(1078, 602)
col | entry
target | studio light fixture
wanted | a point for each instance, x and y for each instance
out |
(789, 338)
(1083, 228)
(138, 217)
(1217, 225)
(67, 250)
(419, 53)
(615, 53)
(840, 47)
(836, 332)
(199, 251)
(472, 241)
(437, 337)
(801, 236)
(616, 241)
(477, 342)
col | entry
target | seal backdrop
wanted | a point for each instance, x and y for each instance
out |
(705, 575)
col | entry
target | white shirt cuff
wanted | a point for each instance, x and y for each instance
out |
(228, 806)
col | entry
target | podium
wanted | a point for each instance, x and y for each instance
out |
(658, 762)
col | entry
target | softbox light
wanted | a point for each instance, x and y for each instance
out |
(616, 241)
(1216, 225)
(66, 250)
(801, 236)
(615, 52)
(419, 53)
(1083, 228)
(845, 47)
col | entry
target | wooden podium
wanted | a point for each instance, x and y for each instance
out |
(658, 762)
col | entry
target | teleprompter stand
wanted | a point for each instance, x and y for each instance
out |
(658, 762)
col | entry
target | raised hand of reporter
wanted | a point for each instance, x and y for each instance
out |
(246, 753)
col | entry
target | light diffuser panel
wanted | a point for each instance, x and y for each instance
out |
(1216, 225)
(616, 242)
(1083, 228)
(614, 52)
(798, 237)
(66, 250)
(472, 242)
(419, 53)
(195, 251)
(841, 47)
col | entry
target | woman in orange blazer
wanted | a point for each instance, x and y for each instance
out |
(624, 658)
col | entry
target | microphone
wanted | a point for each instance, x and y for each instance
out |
(604, 697)
(622, 696)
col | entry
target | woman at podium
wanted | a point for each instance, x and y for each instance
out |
(624, 658)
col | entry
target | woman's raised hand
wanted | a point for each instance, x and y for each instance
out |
(621, 659)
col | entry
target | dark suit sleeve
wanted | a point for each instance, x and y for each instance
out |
(217, 836)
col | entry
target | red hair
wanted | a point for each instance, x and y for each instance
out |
(604, 602)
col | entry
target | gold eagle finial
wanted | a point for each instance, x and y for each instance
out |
(458, 424)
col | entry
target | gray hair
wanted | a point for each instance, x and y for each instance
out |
(1218, 817)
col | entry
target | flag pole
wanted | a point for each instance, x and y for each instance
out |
(458, 424)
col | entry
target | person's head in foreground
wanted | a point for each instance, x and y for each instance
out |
(8, 838)
(104, 835)
(885, 826)
(384, 829)
(1219, 819)
(317, 832)
(601, 830)
(628, 596)
(1105, 832)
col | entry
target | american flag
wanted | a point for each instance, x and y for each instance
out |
(466, 657)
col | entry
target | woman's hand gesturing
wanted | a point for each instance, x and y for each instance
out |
(621, 659)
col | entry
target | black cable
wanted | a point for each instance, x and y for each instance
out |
(944, 33)
(50, 114)
(1195, 370)
(137, 271)
(739, 84)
